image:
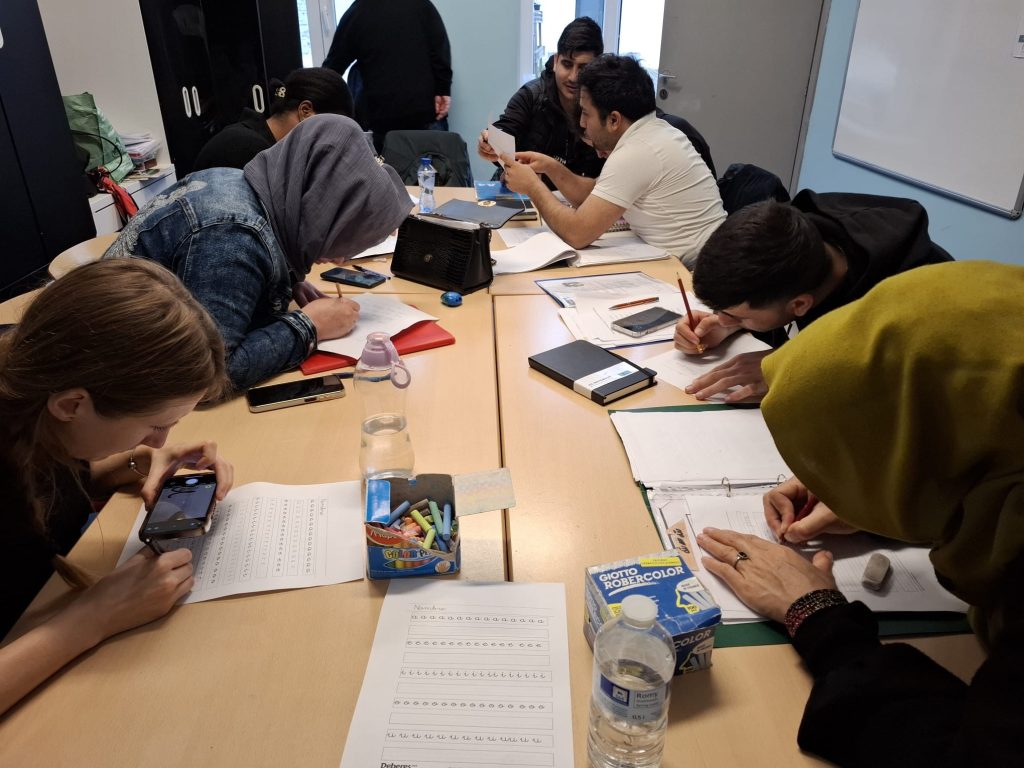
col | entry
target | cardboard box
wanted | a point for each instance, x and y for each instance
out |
(685, 608)
(390, 555)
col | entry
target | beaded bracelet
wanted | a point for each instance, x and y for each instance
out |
(134, 466)
(809, 604)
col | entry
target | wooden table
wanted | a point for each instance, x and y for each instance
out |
(269, 679)
(578, 506)
(272, 679)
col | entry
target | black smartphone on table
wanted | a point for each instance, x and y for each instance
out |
(291, 393)
(365, 279)
(647, 321)
(184, 508)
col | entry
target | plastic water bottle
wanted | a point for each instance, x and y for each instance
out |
(634, 659)
(426, 176)
(381, 379)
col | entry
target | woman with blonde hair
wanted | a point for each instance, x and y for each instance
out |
(104, 362)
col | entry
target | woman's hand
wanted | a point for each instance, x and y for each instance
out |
(142, 589)
(305, 292)
(708, 331)
(332, 318)
(164, 462)
(781, 505)
(771, 577)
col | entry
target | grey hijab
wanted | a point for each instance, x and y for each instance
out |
(325, 194)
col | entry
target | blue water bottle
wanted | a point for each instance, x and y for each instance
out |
(426, 176)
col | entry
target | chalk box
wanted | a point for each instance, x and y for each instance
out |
(685, 608)
(389, 554)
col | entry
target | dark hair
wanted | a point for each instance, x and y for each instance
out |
(324, 88)
(763, 254)
(581, 35)
(618, 84)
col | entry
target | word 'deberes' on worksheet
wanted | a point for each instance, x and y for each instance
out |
(267, 536)
(466, 674)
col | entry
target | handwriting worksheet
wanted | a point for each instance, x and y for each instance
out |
(466, 674)
(376, 313)
(680, 369)
(266, 536)
(912, 585)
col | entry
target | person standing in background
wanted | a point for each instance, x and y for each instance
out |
(304, 93)
(405, 64)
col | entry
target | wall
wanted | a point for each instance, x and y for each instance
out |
(965, 231)
(100, 47)
(486, 47)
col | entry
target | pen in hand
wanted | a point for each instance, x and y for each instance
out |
(805, 510)
(689, 314)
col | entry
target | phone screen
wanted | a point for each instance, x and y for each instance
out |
(184, 498)
(353, 277)
(293, 390)
(648, 320)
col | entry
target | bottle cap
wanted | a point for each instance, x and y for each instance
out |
(639, 610)
(424, 161)
(379, 352)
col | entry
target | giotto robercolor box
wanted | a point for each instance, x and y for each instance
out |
(685, 608)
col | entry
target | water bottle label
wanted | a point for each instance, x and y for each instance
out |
(630, 704)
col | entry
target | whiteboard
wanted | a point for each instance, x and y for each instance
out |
(934, 95)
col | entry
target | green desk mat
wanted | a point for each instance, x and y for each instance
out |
(896, 624)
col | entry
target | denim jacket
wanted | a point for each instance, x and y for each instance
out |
(211, 230)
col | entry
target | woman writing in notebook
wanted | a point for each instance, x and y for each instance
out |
(243, 241)
(911, 428)
(105, 361)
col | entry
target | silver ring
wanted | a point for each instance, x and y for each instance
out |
(740, 555)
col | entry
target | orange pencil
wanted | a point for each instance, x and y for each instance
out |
(689, 313)
(636, 303)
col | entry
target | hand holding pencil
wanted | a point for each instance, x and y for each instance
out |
(691, 323)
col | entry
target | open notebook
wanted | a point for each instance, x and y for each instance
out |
(542, 248)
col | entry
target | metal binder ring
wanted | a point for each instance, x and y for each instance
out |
(728, 486)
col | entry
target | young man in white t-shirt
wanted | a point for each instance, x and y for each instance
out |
(653, 177)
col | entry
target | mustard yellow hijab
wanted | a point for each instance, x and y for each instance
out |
(904, 412)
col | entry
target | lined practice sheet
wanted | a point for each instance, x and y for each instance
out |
(466, 674)
(268, 536)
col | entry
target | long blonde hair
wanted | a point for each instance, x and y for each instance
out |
(125, 330)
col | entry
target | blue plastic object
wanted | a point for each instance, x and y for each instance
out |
(451, 299)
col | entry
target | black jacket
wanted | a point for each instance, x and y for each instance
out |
(890, 705)
(237, 143)
(880, 237)
(404, 60)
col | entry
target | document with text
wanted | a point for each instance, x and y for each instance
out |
(466, 673)
(376, 313)
(267, 536)
(679, 369)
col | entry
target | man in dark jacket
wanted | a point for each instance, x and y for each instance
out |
(772, 264)
(404, 60)
(542, 114)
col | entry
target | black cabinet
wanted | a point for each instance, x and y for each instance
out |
(211, 59)
(43, 204)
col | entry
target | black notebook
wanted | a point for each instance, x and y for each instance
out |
(594, 372)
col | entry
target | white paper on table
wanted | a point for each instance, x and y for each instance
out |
(513, 236)
(699, 447)
(502, 143)
(615, 288)
(376, 313)
(592, 317)
(381, 249)
(267, 536)
(911, 586)
(617, 248)
(680, 370)
(465, 673)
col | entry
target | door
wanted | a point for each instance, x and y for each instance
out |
(740, 72)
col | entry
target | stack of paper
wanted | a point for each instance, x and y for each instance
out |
(679, 369)
(592, 318)
(376, 313)
(142, 147)
(533, 248)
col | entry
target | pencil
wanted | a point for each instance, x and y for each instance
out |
(636, 303)
(338, 289)
(689, 313)
(805, 510)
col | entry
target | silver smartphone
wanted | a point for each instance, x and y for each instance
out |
(646, 321)
(295, 393)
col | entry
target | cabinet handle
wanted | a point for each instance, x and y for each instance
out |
(1, 38)
(188, 104)
(258, 102)
(195, 101)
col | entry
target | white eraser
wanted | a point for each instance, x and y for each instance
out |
(875, 571)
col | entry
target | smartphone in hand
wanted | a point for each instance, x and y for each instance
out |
(183, 509)
(352, 277)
